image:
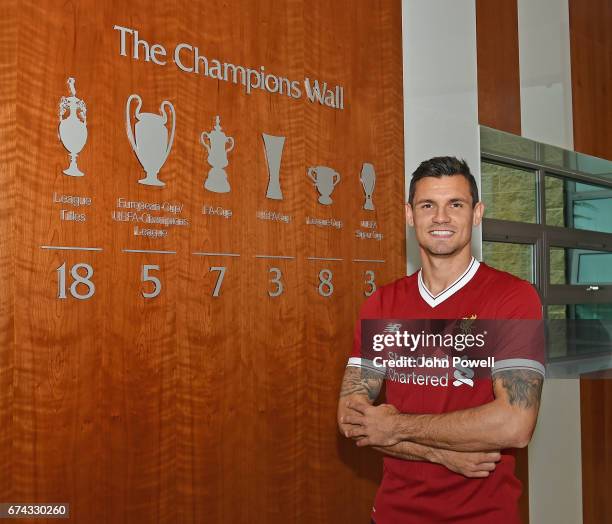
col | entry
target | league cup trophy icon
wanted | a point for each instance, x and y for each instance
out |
(368, 181)
(151, 145)
(273, 146)
(72, 130)
(325, 179)
(216, 181)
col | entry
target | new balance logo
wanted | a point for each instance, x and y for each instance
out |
(392, 328)
(463, 376)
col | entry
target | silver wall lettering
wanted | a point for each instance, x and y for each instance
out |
(77, 279)
(371, 283)
(216, 142)
(277, 281)
(368, 181)
(273, 147)
(72, 129)
(221, 270)
(325, 179)
(151, 144)
(325, 288)
(146, 277)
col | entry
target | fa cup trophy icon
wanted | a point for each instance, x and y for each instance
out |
(273, 147)
(325, 179)
(151, 145)
(72, 130)
(218, 145)
(368, 181)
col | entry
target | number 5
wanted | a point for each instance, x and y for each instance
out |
(148, 278)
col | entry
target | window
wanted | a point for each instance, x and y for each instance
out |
(548, 220)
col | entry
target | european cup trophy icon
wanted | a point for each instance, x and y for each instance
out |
(218, 145)
(325, 179)
(368, 181)
(273, 147)
(72, 130)
(150, 138)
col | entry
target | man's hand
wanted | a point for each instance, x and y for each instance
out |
(467, 463)
(371, 425)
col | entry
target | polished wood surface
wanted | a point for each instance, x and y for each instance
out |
(591, 63)
(499, 107)
(596, 424)
(499, 89)
(188, 407)
(8, 159)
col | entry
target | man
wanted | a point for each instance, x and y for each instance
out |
(447, 449)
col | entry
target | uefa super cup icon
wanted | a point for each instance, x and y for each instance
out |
(325, 179)
(150, 138)
(218, 145)
(72, 130)
(368, 181)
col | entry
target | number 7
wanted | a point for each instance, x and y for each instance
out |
(221, 270)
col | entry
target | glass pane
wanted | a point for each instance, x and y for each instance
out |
(508, 193)
(580, 266)
(506, 144)
(513, 258)
(577, 205)
(579, 329)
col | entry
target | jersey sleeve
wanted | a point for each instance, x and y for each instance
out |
(520, 340)
(371, 309)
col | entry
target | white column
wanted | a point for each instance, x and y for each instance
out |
(440, 90)
(545, 72)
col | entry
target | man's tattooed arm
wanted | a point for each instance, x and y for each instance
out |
(522, 387)
(361, 381)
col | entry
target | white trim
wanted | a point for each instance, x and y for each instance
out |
(436, 300)
(364, 363)
(518, 363)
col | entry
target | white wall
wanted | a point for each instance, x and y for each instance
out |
(440, 90)
(545, 71)
(555, 466)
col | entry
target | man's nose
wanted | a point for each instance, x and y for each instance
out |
(441, 216)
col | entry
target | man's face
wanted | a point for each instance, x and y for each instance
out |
(442, 214)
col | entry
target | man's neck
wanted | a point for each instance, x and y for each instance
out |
(440, 272)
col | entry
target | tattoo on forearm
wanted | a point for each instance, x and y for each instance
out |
(361, 381)
(523, 387)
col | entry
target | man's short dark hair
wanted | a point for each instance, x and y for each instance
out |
(440, 166)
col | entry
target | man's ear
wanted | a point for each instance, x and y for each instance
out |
(409, 217)
(478, 213)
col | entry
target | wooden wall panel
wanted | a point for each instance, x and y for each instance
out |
(499, 107)
(188, 407)
(591, 63)
(596, 423)
(499, 90)
(8, 160)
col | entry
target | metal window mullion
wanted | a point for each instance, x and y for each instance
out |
(553, 170)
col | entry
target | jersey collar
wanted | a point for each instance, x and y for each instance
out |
(436, 300)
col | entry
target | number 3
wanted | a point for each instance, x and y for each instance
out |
(369, 292)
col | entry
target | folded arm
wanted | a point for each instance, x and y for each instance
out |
(506, 422)
(361, 387)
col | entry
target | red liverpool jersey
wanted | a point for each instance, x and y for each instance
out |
(425, 493)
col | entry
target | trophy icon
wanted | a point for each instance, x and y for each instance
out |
(325, 179)
(368, 181)
(151, 145)
(273, 146)
(216, 181)
(72, 130)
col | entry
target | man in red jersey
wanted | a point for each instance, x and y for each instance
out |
(448, 449)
